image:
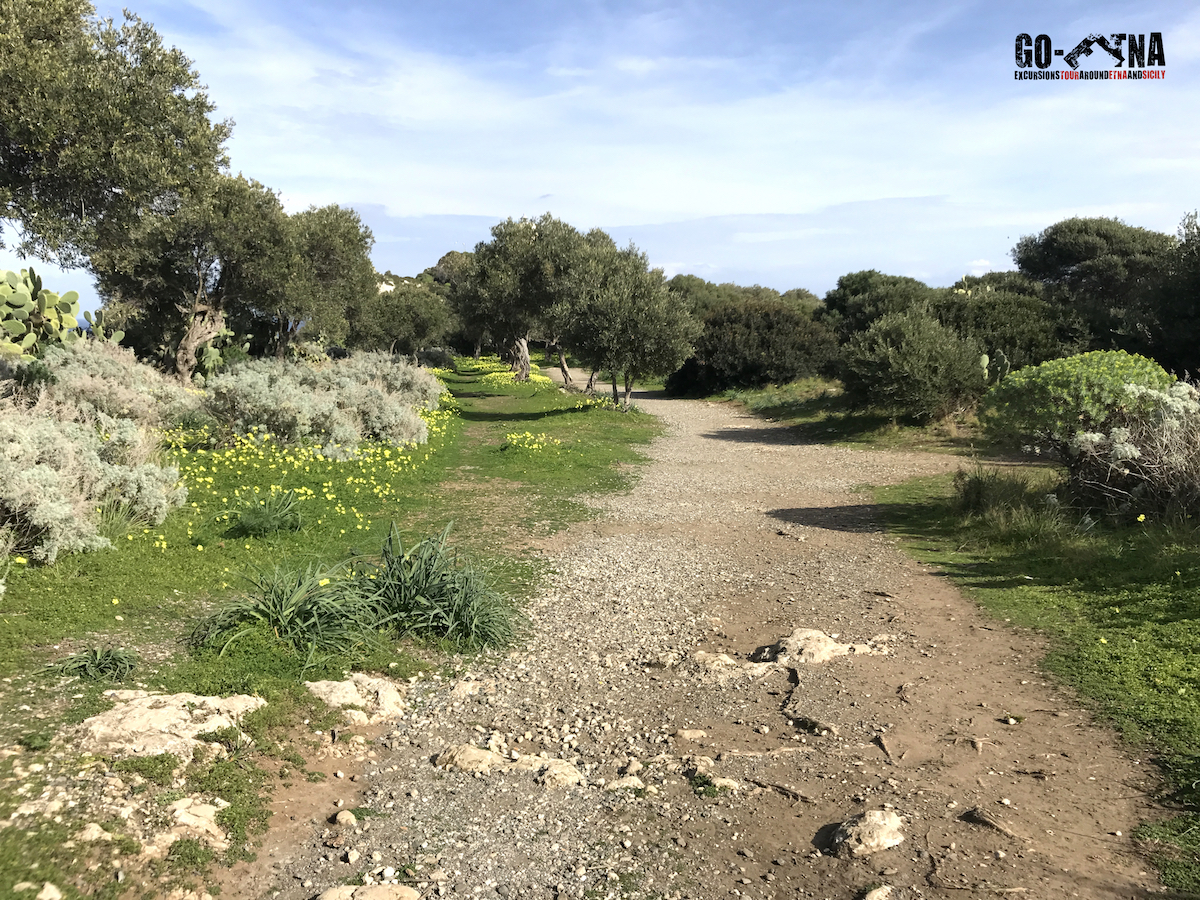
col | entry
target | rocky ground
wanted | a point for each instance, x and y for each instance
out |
(736, 685)
(697, 761)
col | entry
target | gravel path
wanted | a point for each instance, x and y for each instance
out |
(733, 537)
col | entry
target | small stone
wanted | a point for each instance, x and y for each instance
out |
(346, 818)
(870, 832)
(764, 729)
(352, 856)
(49, 892)
(339, 774)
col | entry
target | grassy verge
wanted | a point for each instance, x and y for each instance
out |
(505, 464)
(816, 410)
(1118, 604)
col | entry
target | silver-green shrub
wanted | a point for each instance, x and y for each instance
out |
(1146, 460)
(369, 396)
(56, 471)
(109, 379)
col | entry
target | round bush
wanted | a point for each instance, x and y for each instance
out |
(1053, 401)
(909, 364)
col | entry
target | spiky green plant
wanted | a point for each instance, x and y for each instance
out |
(98, 664)
(428, 590)
(312, 610)
(255, 516)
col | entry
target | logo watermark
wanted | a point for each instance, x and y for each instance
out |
(1132, 57)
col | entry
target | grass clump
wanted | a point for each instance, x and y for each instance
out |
(98, 664)
(427, 590)
(253, 516)
(313, 620)
(159, 769)
(311, 611)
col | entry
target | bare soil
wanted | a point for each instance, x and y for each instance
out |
(734, 536)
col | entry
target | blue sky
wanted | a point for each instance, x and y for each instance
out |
(775, 143)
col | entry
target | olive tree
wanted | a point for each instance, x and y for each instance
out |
(99, 123)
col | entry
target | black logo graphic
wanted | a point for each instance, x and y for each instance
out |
(1133, 57)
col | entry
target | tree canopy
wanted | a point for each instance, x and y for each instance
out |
(175, 279)
(1105, 270)
(99, 123)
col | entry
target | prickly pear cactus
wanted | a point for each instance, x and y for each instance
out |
(97, 325)
(32, 318)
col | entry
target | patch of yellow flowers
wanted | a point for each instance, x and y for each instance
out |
(531, 442)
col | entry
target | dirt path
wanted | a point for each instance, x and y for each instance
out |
(733, 538)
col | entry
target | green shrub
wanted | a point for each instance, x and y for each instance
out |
(428, 591)
(1015, 330)
(909, 364)
(754, 343)
(1049, 403)
(862, 298)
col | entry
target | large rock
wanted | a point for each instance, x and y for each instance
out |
(808, 646)
(379, 698)
(147, 724)
(560, 773)
(870, 832)
(370, 892)
(467, 758)
(551, 772)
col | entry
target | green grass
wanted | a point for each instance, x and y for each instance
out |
(159, 769)
(1119, 605)
(152, 589)
(816, 410)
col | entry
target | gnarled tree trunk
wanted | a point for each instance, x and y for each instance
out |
(520, 364)
(206, 321)
(568, 381)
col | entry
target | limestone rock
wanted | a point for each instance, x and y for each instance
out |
(808, 646)
(346, 818)
(628, 783)
(379, 698)
(467, 758)
(386, 892)
(49, 892)
(91, 833)
(883, 892)
(870, 832)
(690, 734)
(560, 773)
(726, 784)
(370, 892)
(147, 724)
